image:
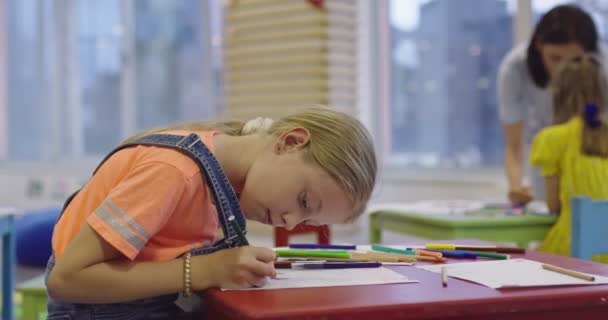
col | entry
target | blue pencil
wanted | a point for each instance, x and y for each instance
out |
(455, 254)
(336, 265)
(322, 246)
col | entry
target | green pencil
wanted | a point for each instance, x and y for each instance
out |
(393, 250)
(337, 254)
(492, 255)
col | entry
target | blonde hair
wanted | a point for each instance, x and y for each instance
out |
(579, 82)
(339, 144)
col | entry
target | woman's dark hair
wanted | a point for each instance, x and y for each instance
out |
(561, 25)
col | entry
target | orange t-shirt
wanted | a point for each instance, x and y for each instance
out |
(150, 203)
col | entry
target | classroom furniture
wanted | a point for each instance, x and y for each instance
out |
(33, 299)
(427, 299)
(489, 226)
(589, 227)
(281, 235)
(7, 221)
(34, 233)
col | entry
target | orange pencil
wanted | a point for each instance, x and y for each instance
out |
(429, 253)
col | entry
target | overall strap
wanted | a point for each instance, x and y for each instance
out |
(226, 201)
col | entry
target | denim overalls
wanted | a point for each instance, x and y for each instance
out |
(163, 307)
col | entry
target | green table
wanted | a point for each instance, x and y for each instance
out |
(482, 224)
(33, 299)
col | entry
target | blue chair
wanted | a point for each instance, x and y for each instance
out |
(589, 228)
(7, 235)
(34, 231)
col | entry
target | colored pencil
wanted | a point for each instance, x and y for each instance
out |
(322, 246)
(336, 265)
(444, 276)
(340, 254)
(376, 247)
(569, 272)
(449, 246)
(491, 255)
(455, 254)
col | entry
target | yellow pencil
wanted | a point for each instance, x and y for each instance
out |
(569, 272)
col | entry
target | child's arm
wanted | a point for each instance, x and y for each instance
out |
(514, 155)
(552, 194)
(92, 271)
(547, 153)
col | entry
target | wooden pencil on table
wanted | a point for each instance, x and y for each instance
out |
(382, 257)
(448, 246)
(393, 257)
(510, 250)
(492, 249)
(569, 272)
(492, 255)
(430, 259)
(428, 253)
(358, 256)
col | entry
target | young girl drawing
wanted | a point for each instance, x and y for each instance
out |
(143, 229)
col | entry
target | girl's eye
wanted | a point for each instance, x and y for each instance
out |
(303, 201)
(311, 223)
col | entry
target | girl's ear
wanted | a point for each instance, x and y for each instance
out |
(292, 140)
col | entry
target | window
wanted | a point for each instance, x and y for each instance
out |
(99, 49)
(25, 91)
(442, 106)
(82, 75)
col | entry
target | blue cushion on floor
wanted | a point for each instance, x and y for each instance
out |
(34, 231)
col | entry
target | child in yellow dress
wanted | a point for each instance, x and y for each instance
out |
(573, 153)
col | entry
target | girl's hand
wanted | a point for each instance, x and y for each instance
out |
(520, 196)
(234, 268)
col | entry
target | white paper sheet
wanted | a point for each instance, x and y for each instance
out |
(292, 278)
(511, 273)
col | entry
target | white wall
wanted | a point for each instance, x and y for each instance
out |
(57, 183)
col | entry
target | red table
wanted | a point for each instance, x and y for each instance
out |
(424, 300)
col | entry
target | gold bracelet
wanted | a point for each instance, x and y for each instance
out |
(187, 275)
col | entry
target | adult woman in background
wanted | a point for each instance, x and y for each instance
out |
(524, 82)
